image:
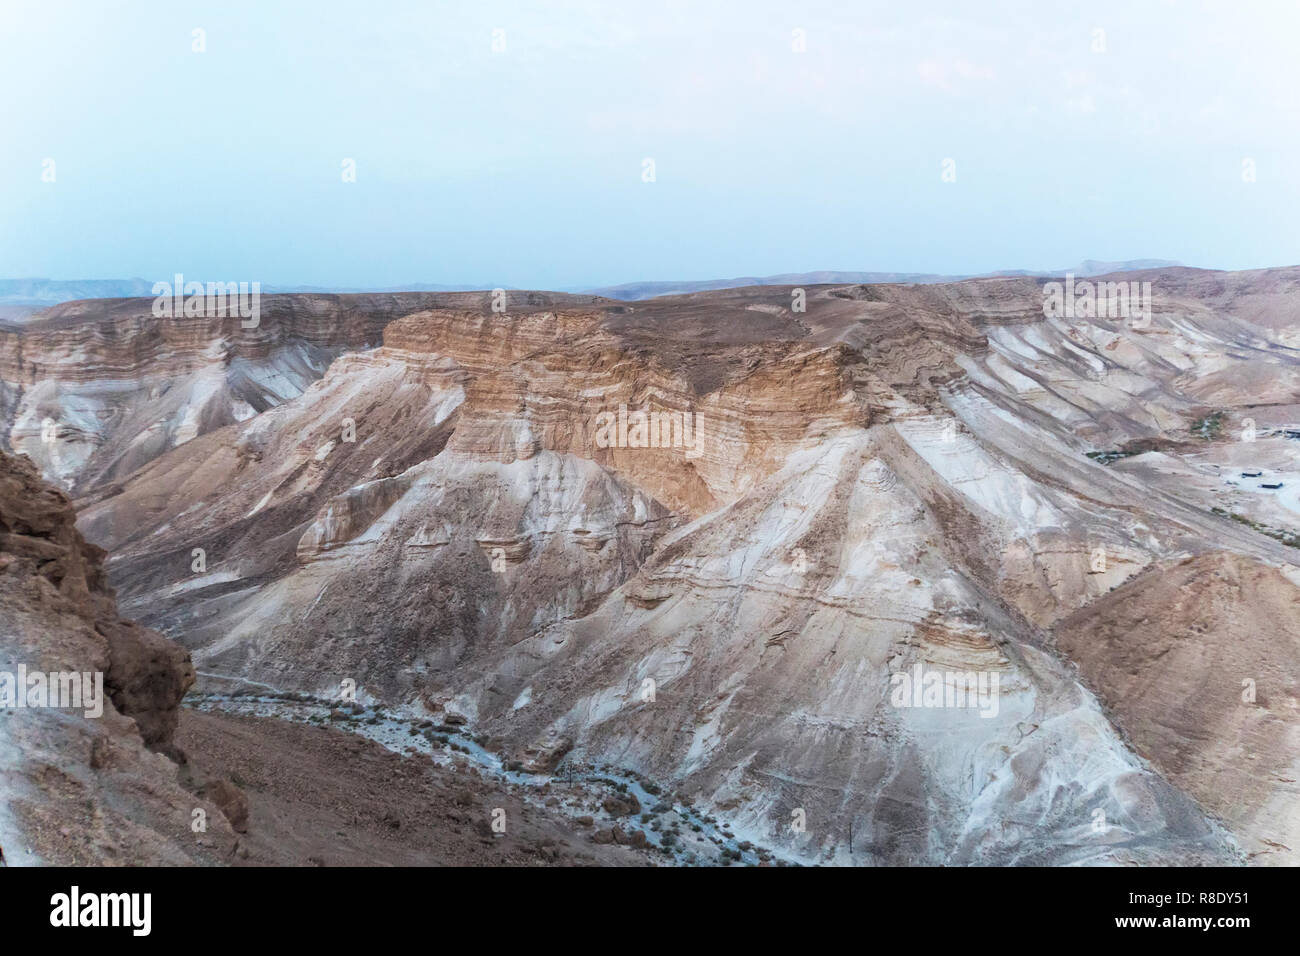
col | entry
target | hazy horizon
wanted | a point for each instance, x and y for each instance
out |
(416, 284)
(221, 154)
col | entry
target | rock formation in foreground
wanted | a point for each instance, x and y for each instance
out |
(115, 788)
(85, 789)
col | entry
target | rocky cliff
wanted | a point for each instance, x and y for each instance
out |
(83, 787)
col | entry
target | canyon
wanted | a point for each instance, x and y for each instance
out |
(409, 504)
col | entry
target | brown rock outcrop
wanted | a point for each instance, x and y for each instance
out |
(85, 785)
(146, 674)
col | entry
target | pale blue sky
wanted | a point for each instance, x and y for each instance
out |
(523, 168)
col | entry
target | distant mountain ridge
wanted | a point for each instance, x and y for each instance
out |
(43, 292)
(23, 299)
(632, 291)
(30, 294)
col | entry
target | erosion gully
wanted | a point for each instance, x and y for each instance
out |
(676, 832)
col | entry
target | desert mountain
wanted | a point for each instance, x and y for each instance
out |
(463, 512)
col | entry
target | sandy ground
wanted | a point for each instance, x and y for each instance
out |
(324, 797)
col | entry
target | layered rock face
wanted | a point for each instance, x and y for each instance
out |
(94, 389)
(732, 547)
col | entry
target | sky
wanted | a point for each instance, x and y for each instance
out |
(505, 143)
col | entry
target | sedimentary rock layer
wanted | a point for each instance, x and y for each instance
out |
(725, 594)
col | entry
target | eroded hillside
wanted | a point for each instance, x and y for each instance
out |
(470, 518)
